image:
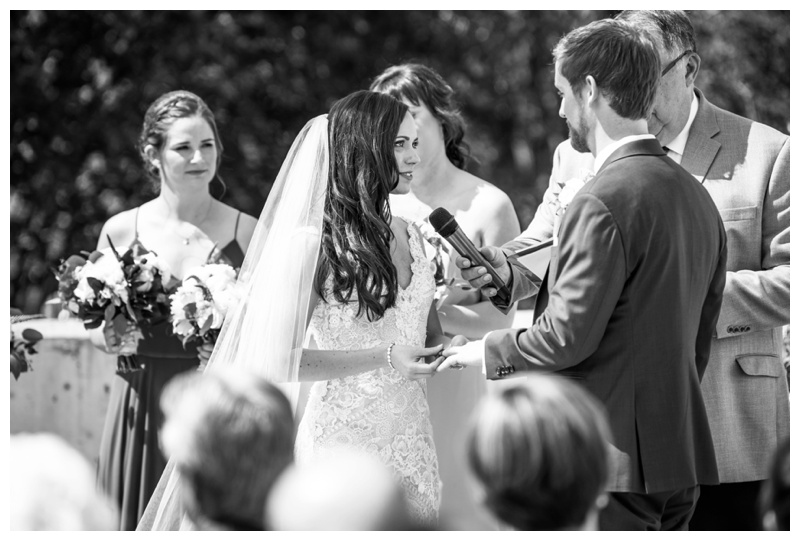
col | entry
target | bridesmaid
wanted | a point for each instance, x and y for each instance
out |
(186, 226)
(485, 213)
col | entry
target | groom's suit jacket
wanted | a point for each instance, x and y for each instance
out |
(744, 166)
(628, 308)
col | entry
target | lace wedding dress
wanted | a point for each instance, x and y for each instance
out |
(379, 411)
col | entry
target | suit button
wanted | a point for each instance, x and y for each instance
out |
(511, 369)
(730, 329)
(747, 329)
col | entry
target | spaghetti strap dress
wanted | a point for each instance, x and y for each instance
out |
(131, 462)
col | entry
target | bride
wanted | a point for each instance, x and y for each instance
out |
(338, 292)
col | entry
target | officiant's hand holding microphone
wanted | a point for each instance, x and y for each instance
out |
(486, 269)
(462, 352)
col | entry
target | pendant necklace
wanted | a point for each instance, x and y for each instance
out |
(188, 238)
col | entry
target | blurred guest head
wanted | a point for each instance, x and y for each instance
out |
(53, 487)
(230, 435)
(606, 59)
(372, 154)
(673, 34)
(431, 102)
(775, 492)
(346, 489)
(539, 453)
(178, 127)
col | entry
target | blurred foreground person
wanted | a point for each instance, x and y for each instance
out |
(53, 487)
(346, 489)
(775, 492)
(539, 452)
(230, 434)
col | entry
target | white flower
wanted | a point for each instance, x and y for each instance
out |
(107, 270)
(150, 265)
(569, 190)
(83, 291)
(565, 192)
(212, 289)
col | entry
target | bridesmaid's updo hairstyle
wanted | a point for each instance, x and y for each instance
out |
(362, 128)
(161, 114)
(420, 84)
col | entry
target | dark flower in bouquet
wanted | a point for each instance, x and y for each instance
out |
(202, 301)
(123, 292)
(22, 349)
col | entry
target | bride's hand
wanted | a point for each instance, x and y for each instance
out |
(409, 361)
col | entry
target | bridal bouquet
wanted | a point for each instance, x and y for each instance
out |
(22, 348)
(202, 301)
(124, 291)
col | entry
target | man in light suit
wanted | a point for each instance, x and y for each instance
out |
(634, 286)
(744, 166)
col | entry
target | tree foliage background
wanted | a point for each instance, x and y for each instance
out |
(81, 82)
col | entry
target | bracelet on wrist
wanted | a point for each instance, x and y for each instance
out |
(389, 355)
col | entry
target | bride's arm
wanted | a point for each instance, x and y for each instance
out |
(318, 365)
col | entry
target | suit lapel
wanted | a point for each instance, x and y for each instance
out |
(701, 149)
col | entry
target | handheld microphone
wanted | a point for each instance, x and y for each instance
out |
(446, 226)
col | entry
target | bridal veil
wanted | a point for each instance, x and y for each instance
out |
(265, 335)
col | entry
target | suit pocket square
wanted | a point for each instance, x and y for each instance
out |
(760, 365)
(738, 214)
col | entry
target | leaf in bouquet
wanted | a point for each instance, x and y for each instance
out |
(32, 335)
(17, 366)
(95, 284)
(206, 326)
(186, 339)
(108, 313)
(94, 256)
(113, 248)
(127, 258)
(92, 322)
(120, 324)
(130, 312)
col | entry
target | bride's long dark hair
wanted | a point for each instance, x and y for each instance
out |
(356, 234)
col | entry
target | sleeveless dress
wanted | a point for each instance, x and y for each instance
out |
(131, 462)
(378, 411)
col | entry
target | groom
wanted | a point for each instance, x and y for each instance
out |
(634, 286)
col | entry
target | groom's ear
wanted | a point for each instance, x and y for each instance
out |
(590, 90)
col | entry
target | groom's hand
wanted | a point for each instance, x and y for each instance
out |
(462, 353)
(410, 361)
(478, 277)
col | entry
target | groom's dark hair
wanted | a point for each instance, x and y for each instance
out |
(623, 61)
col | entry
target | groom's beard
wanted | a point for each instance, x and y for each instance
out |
(578, 137)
